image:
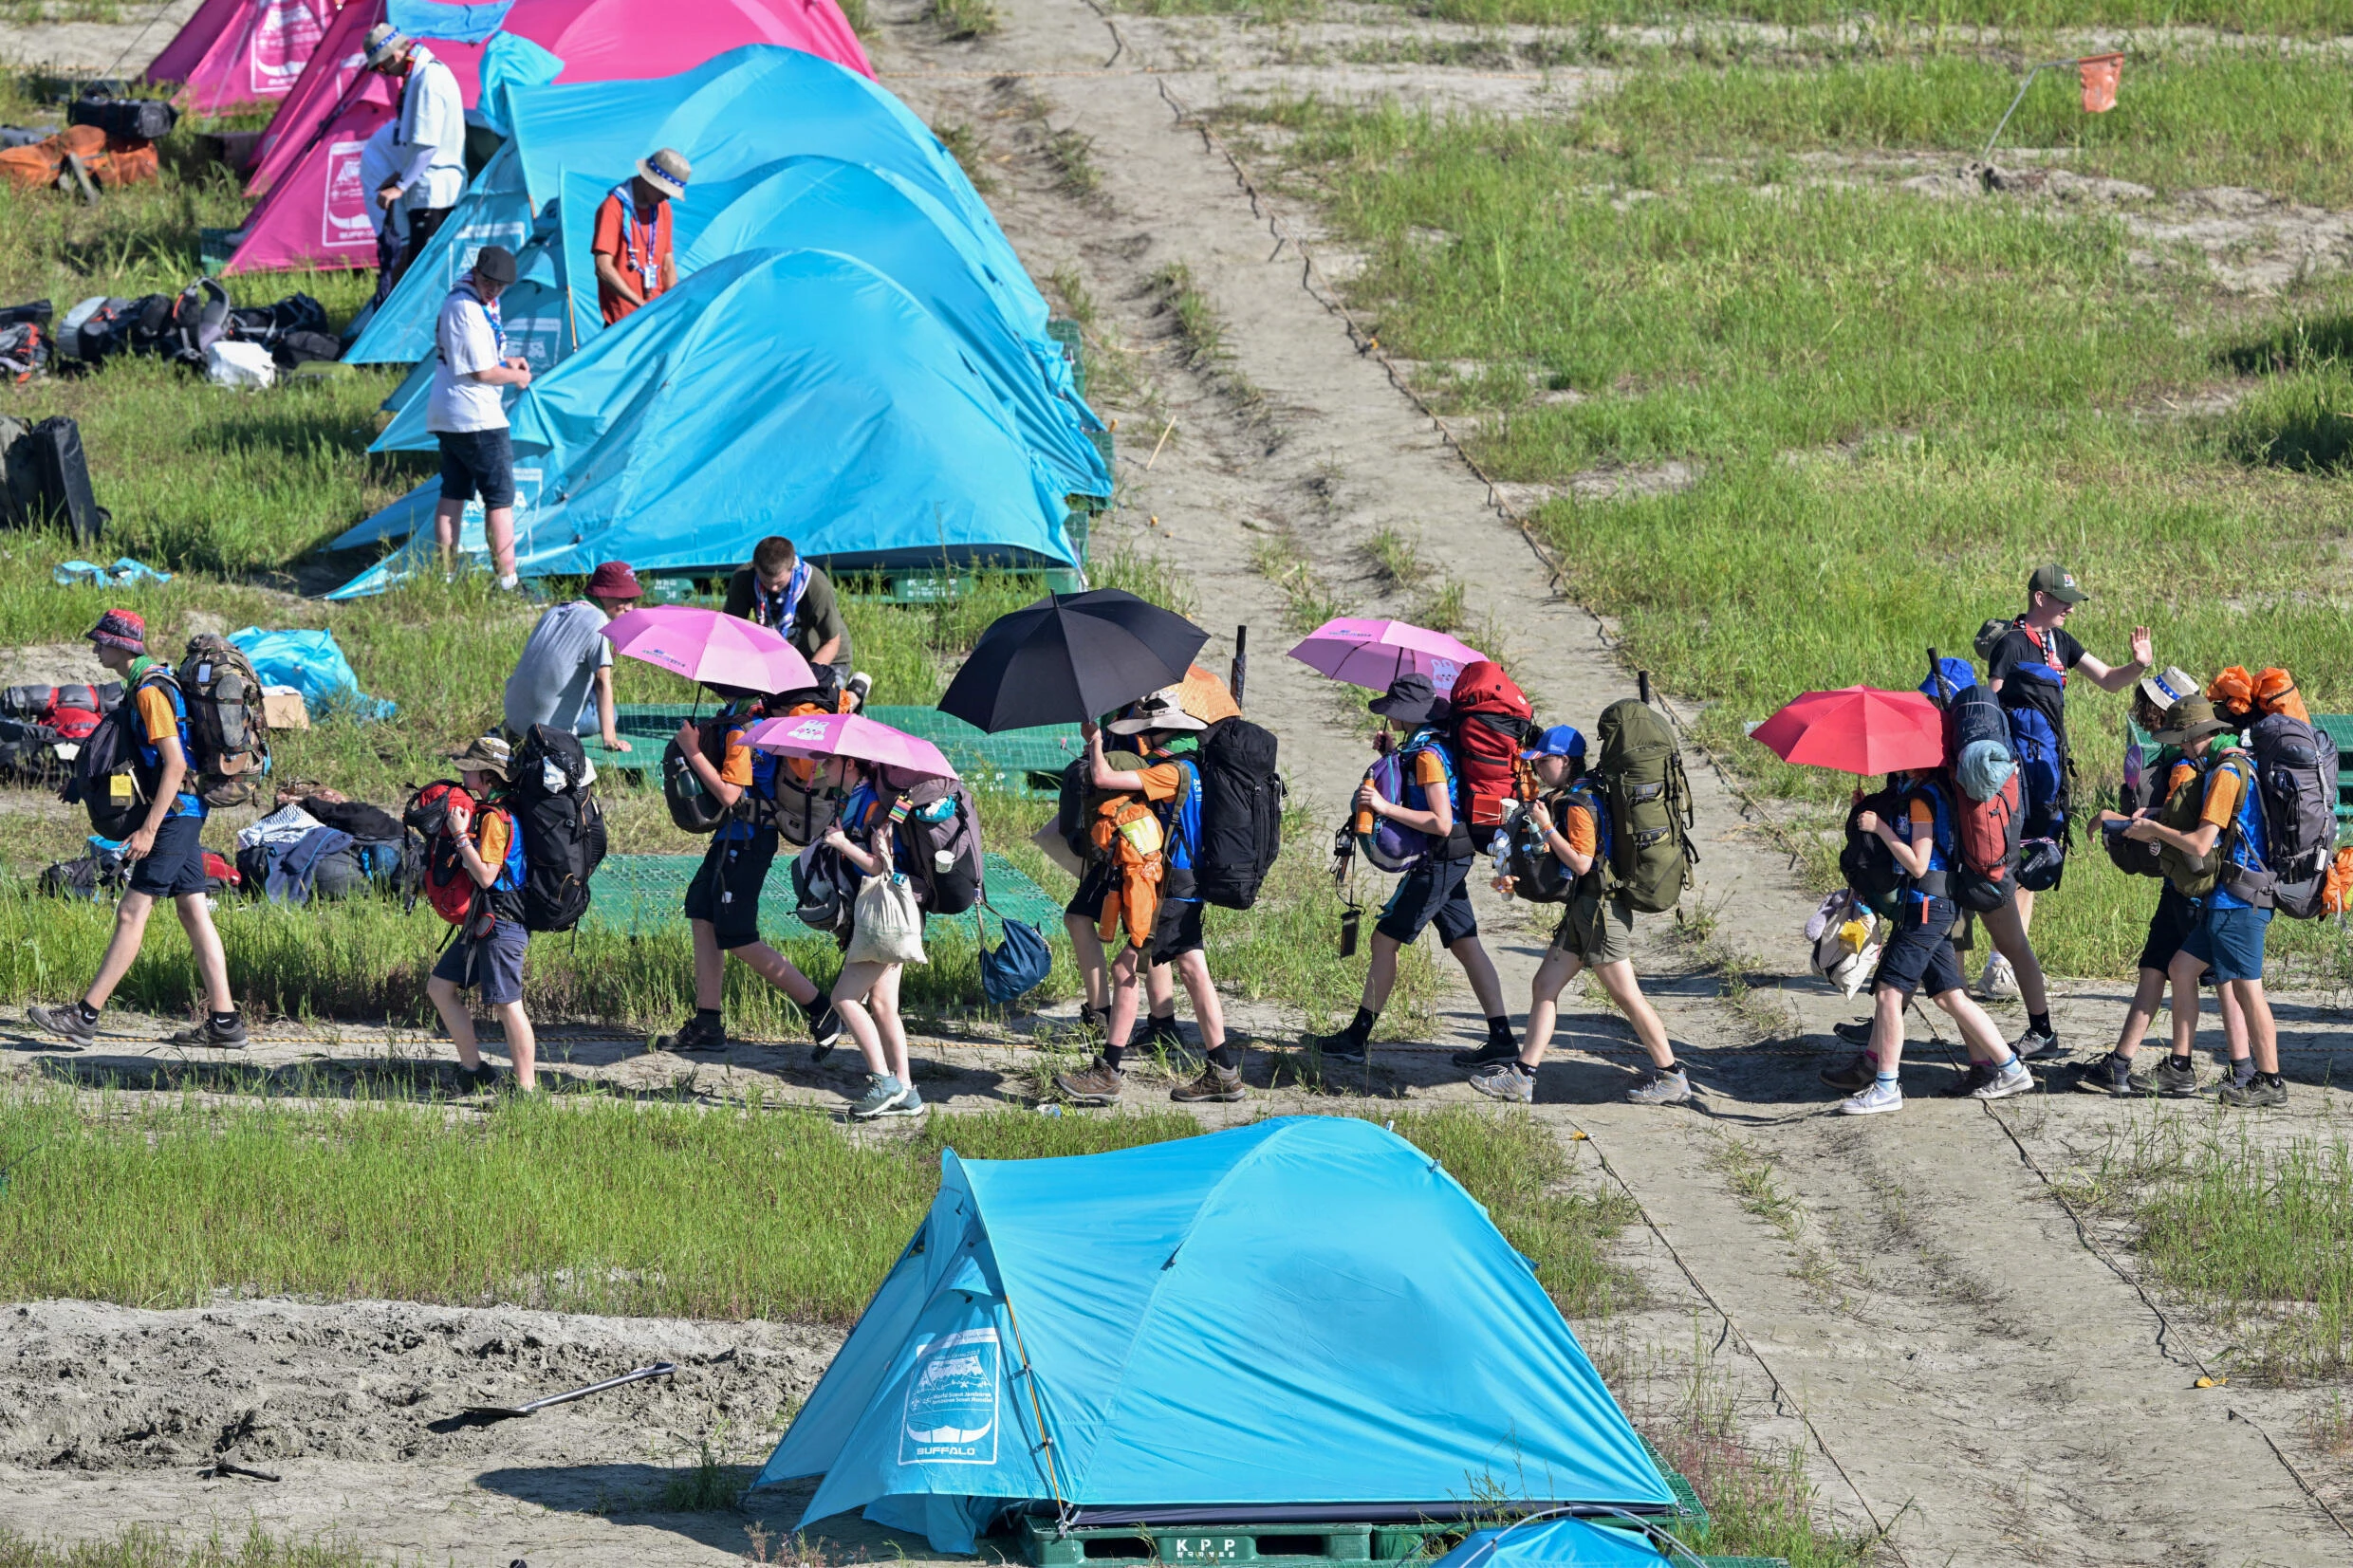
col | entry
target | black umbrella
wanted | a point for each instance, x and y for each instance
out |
(1069, 657)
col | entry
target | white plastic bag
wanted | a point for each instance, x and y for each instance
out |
(887, 924)
(243, 366)
(1846, 942)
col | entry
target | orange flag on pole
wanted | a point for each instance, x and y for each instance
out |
(2100, 72)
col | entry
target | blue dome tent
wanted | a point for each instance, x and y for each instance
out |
(1304, 1319)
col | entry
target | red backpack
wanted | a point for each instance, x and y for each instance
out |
(1491, 720)
(72, 711)
(449, 887)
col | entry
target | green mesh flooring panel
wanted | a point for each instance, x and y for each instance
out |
(640, 893)
(985, 762)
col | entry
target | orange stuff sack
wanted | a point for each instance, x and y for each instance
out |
(33, 168)
(110, 160)
(1126, 833)
(2233, 692)
(126, 163)
(2275, 692)
(2337, 893)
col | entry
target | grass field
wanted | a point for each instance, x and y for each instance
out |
(140, 1547)
(2292, 18)
(1899, 405)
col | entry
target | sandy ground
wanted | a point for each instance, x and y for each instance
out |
(1955, 1357)
(101, 48)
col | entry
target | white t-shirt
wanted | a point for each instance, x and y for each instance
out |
(466, 343)
(429, 147)
(378, 169)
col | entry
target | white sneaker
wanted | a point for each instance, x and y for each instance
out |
(2000, 981)
(1870, 1102)
(2014, 1079)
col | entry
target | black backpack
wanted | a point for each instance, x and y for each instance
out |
(124, 118)
(1537, 873)
(957, 831)
(108, 778)
(1866, 862)
(47, 479)
(555, 809)
(1070, 811)
(693, 808)
(1241, 813)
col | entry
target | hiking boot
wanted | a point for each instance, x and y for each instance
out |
(1163, 1032)
(66, 1023)
(1856, 1033)
(1507, 1081)
(1856, 1073)
(1342, 1046)
(694, 1035)
(1221, 1084)
(2176, 1079)
(1999, 981)
(229, 1037)
(1661, 1089)
(2012, 1078)
(1871, 1102)
(1974, 1078)
(2037, 1045)
(2113, 1076)
(1097, 1083)
(1488, 1055)
(825, 1029)
(883, 1091)
(910, 1104)
(2262, 1093)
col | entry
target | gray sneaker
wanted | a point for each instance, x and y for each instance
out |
(2177, 1080)
(66, 1023)
(2037, 1045)
(1970, 1084)
(1507, 1081)
(910, 1104)
(1658, 1088)
(2262, 1093)
(883, 1091)
(228, 1038)
(2013, 1077)
(2113, 1076)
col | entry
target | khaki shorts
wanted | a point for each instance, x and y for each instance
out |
(1595, 932)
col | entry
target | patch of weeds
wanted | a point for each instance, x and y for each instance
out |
(1072, 152)
(2329, 1424)
(1442, 609)
(1308, 602)
(963, 19)
(708, 1485)
(1397, 562)
(963, 143)
(1111, 364)
(1749, 1174)
(1200, 336)
(143, 1546)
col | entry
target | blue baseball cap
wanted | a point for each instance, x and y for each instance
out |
(1562, 740)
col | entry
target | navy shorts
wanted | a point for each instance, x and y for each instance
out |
(1093, 888)
(1177, 931)
(491, 965)
(174, 868)
(2229, 941)
(726, 888)
(1919, 956)
(478, 462)
(2170, 927)
(1434, 893)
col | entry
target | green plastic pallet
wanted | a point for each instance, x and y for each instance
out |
(639, 894)
(1073, 341)
(983, 760)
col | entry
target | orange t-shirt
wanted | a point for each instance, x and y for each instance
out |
(649, 248)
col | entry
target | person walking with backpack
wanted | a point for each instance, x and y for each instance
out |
(1596, 933)
(486, 954)
(2233, 912)
(1169, 786)
(869, 837)
(780, 590)
(468, 417)
(166, 850)
(723, 900)
(2028, 661)
(1919, 956)
(1436, 891)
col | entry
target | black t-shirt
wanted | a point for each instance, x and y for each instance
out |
(2020, 646)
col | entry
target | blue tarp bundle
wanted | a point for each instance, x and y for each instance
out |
(786, 392)
(1556, 1543)
(1307, 1316)
(313, 664)
(822, 204)
(743, 109)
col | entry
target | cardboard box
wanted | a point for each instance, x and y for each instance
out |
(283, 709)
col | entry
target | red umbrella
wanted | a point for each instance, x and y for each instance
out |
(1858, 729)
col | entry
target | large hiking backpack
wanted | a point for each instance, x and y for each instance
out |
(225, 726)
(1390, 845)
(1491, 721)
(445, 884)
(693, 808)
(1988, 803)
(1866, 862)
(1070, 810)
(2194, 877)
(191, 322)
(805, 805)
(1639, 774)
(1537, 873)
(1241, 813)
(552, 795)
(2296, 781)
(49, 480)
(108, 778)
(941, 819)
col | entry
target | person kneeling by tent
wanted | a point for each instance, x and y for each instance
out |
(474, 875)
(1166, 789)
(632, 240)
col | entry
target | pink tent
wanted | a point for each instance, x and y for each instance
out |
(234, 53)
(317, 215)
(317, 93)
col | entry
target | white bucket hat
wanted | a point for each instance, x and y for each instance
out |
(1162, 710)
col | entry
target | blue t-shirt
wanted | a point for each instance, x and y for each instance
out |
(2247, 841)
(1939, 830)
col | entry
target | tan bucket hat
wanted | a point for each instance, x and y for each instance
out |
(666, 171)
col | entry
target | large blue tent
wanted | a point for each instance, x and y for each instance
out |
(848, 420)
(813, 202)
(1303, 1319)
(733, 113)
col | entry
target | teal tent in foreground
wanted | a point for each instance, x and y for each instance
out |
(777, 392)
(1307, 1320)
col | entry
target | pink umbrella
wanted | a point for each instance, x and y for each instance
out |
(849, 735)
(1375, 653)
(704, 645)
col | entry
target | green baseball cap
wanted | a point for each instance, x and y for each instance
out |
(2057, 582)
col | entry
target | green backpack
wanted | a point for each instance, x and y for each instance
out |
(1641, 775)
